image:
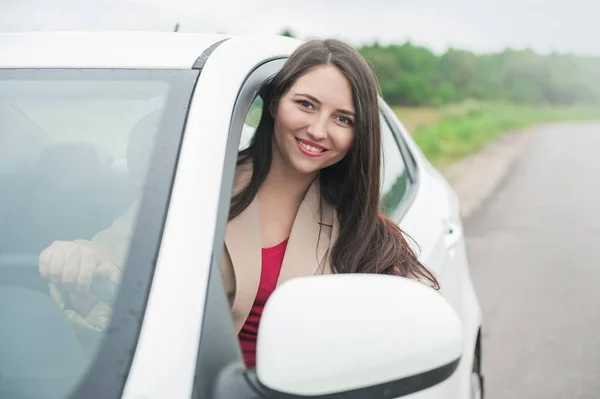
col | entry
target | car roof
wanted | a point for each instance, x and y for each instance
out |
(155, 50)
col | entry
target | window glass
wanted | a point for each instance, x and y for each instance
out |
(251, 122)
(75, 152)
(394, 173)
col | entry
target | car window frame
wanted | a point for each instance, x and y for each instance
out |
(409, 163)
(219, 352)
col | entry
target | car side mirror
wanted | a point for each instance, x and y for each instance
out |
(374, 336)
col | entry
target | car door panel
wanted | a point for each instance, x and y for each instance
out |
(433, 220)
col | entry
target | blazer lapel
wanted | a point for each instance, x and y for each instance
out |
(243, 243)
(242, 239)
(309, 241)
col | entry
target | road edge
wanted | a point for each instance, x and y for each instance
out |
(476, 177)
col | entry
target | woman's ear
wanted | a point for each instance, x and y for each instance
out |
(273, 109)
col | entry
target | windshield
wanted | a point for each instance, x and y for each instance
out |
(83, 154)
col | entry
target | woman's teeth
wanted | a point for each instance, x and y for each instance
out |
(310, 147)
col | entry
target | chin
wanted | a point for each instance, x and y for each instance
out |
(306, 167)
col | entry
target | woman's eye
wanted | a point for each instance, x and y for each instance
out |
(345, 120)
(305, 104)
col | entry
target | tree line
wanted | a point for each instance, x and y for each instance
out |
(413, 75)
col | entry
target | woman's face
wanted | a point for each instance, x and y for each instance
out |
(314, 121)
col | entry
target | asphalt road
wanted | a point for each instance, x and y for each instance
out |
(535, 258)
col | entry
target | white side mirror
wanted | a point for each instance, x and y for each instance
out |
(356, 332)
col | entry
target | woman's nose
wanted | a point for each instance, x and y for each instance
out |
(318, 129)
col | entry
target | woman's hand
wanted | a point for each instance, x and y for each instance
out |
(73, 264)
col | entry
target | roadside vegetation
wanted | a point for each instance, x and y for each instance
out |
(457, 102)
(449, 133)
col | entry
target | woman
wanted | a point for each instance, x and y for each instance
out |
(306, 193)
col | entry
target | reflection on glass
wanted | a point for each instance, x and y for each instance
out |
(74, 154)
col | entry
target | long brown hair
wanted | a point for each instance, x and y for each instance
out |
(368, 242)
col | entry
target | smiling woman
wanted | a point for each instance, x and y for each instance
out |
(308, 188)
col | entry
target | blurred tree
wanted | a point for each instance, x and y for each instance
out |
(414, 75)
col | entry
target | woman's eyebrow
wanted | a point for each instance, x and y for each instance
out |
(309, 96)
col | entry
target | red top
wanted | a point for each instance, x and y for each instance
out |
(272, 258)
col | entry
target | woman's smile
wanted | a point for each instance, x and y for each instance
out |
(310, 149)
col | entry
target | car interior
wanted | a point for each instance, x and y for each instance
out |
(53, 190)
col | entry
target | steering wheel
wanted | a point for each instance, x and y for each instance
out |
(22, 270)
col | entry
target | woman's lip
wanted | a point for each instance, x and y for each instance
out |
(308, 153)
(312, 144)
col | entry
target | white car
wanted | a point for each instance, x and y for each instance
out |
(95, 127)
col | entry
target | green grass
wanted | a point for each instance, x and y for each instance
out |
(254, 114)
(414, 117)
(466, 128)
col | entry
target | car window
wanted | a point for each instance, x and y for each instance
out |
(395, 178)
(76, 152)
(251, 122)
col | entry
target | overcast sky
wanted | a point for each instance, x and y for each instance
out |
(478, 25)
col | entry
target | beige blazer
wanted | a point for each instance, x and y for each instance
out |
(314, 231)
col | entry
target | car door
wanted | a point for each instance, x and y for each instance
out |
(422, 206)
(429, 214)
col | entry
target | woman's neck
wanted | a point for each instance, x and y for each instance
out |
(285, 183)
(280, 197)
